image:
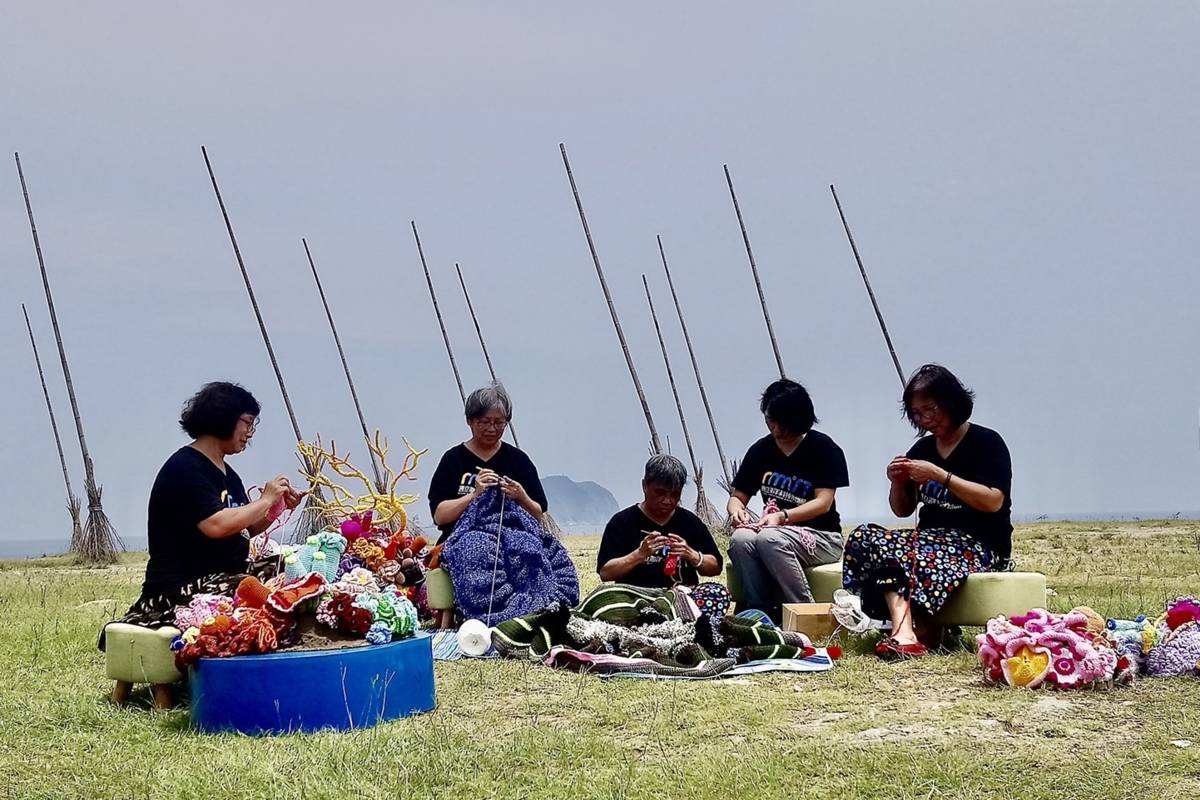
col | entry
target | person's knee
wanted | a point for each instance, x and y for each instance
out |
(742, 541)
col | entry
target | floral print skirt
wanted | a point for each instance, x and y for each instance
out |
(926, 564)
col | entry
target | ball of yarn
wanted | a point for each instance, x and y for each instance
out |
(474, 638)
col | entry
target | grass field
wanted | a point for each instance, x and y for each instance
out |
(928, 728)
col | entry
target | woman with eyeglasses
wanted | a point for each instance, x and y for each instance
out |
(200, 519)
(960, 474)
(484, 461)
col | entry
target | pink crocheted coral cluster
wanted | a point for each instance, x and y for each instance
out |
(1040, 648)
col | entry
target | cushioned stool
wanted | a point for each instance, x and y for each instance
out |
(134, 654)
(439, 595)
(984, 595)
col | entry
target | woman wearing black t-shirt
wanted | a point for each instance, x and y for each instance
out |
(799, 470)
(961, 475)
(199, 519)
(483, 461)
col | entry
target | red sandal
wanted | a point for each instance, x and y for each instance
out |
(891, 650)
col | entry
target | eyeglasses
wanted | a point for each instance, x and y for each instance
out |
(926, 412)
(491, 423)
(250, 422)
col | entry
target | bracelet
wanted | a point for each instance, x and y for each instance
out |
(700, 561)
(949, 475)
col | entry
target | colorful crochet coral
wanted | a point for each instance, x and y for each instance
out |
(202, 608)
(379, 633)
(1040, 648)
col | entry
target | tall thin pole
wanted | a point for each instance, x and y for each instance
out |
(100, 538)
(870, 292)
(482, 344)
(637, 384)
(438, 311)
(72, 500)
(687, 437)
(380, 485)
(695, 364)
(287, 401)
(762, 298)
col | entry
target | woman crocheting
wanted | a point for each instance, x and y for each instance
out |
(656, 544)
(960, 473)
(200, 518)
(798, 471)
(483, 461)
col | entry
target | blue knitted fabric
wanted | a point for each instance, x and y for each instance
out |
(534, 569)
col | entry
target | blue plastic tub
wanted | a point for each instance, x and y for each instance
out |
(313, 690)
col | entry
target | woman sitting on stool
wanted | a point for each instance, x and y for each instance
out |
(800, 470)
(200, 518)
(483, 461)
(960, 473)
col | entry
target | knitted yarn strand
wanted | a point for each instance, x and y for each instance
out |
(496, 561)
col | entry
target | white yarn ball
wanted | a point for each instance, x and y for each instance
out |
(474, 638)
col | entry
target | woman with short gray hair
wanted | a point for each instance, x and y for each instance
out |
(484, 461)
(655, 543)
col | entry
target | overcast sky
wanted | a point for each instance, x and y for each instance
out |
(1022, 180)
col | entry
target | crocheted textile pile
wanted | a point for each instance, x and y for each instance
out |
(1081, 648)
(533, 570)
(359, 582)
(619, 628)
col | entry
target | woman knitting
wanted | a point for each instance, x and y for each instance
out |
(200, 518)
(483, 461)
(797, 470)
(960, 473)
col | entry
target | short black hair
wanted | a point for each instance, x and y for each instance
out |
(787, 404)
(955, 400)
(666, 470)
(216, 409)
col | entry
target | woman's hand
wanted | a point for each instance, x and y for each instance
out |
(774, 520)
(292, 497)
(680, 548)
(650, 543)
(739, 517)
(485, 480)
(919, 472)
(514, 490)
(897, 469)
(276, 487)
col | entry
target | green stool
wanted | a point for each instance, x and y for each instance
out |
(133, 654)
(439, 595)
(984, 595)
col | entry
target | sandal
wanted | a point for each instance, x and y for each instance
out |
(891, 650)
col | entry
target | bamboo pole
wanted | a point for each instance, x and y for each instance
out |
(380, 483)
(704, 509)
(870, 292)
(438, 312)
(73, 504)
(695, 364)
(482, 344)
(312, 520)
(655, 446)
(100, 540)
(762, 298)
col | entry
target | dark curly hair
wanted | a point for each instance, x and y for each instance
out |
(216, 409)
(940, 384)
(787, 404)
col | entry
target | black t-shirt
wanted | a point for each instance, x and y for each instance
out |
(982, 457)
(625, 531)
(816, 463)
(188, 490)
(455, 476)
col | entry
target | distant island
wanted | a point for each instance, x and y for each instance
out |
(579, 503)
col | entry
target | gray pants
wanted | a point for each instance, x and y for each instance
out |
(770, 563)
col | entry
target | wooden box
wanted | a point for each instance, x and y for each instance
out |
(812, 619)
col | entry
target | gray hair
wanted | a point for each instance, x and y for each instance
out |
(666, 470)
(483, 400)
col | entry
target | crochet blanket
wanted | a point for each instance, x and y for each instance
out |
(533, 571)
(627, 629)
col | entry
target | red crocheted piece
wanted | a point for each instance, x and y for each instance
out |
(254, 631)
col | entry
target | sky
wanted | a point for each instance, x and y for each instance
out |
(1021, 178)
